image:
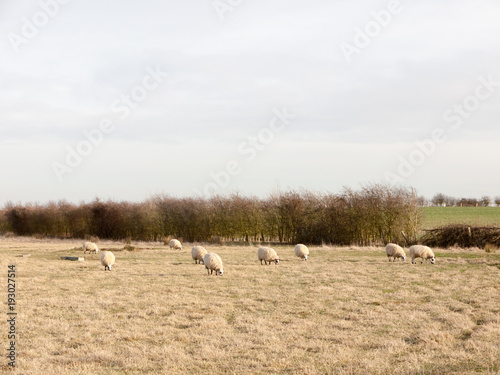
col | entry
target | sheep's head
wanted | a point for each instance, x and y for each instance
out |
(277, 260)
(403, 258)
(433, 260)
(220, 272)
(305, 257)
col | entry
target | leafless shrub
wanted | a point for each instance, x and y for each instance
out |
(462, 235)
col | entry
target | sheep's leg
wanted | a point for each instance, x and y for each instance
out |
(261, 262)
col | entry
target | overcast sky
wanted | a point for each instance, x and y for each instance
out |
(192, 97)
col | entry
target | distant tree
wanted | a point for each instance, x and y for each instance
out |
(468, 202)
(422, 201)
(485, 201)
(450, 201)
(497, 201)
(438, 199)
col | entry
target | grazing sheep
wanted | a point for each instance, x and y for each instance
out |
(395, 251)
(198, 252)
(175, 244)
(267, 254)
(301, 251)
(90, 247)
(213, 262)
(420, 251)
(107, 260)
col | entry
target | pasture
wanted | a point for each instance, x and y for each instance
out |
(478, 216)
(346, 310)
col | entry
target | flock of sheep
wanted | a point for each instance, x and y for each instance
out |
(213, 262)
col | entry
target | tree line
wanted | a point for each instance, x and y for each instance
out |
(372, 214)
(444, 200)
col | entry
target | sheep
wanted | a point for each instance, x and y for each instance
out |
(267, 254)
(198, 252)
(301, 251)
(175, 244)
(395, 251)
(420, 251)
(213, 262)
(107, 260)
(90, 246)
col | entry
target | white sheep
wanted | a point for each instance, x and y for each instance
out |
(213, 262)
(301, 251)
(198, 252)
(175, 244)
(90, 247)
(420, 251)
(267, 254)
(107, 260)
(395, 251)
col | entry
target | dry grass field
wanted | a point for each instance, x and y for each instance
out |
(344, 311)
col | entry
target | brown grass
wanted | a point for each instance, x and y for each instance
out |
(344, 311)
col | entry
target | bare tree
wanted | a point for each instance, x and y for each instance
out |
(438, 199)
(450, 201)
(485, 200)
